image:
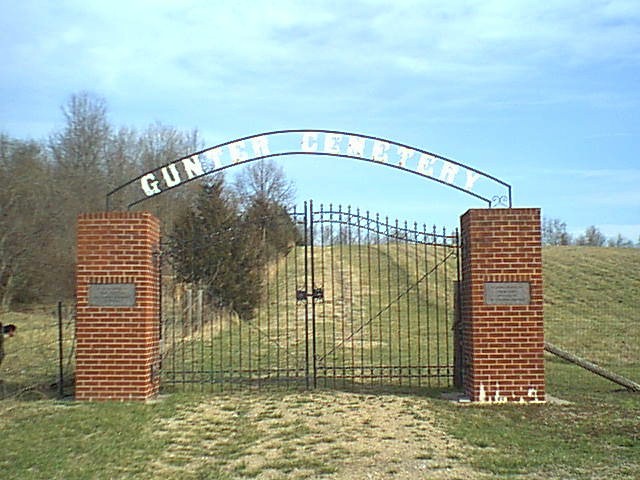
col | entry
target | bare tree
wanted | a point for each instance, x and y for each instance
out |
(592, 237)
(25, 220)
(264, 181)
(620, 242)
(44, 186)
(79, 154)
(265, 194)
(123, 157)
(554, 232)
(81, 146)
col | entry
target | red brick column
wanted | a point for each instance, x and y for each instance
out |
(502, 305)
(118, 308)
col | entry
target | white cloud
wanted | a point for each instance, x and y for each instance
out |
(208, 45)
(445, 58)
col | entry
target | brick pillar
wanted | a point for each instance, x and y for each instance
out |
(118, 308)
(502, 306)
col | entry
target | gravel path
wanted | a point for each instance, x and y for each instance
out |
(333, 435)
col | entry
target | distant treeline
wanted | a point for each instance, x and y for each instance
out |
(45, 184)
(554, 232)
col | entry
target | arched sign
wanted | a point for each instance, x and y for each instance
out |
(376, 150)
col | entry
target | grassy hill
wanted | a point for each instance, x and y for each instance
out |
(592, 304)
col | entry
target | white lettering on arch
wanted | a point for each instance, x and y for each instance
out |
(380, 150)
(260, 146)
(295, 142)
(472, 178)
(171, 175)
(355, 147)
(449, 172)
(309, 142)
(332, 143)
(149, 185)
(213, 156)
(238, 152)
(425, 164)
(405, 154)
(192, 167)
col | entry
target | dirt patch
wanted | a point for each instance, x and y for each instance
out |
(330, 435)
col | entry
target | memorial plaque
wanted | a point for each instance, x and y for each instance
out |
(112, 295)
(507, 293)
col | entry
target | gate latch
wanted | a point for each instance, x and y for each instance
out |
(302, 295)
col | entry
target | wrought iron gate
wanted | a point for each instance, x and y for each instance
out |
(357, 300)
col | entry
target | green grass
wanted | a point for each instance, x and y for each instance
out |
(30, 368)
(278, 433)
(66, 440)
(332, 433)
(597, 436)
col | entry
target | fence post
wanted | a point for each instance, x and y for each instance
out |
(118, 306)
(503, 328)
(60, 354)
(458, 363)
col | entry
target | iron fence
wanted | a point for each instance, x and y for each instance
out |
(39, 360)
(360, 300)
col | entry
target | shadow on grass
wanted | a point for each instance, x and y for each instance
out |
(36, 390)
(300, 385)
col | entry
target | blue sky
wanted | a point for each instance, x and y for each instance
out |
(543, 95)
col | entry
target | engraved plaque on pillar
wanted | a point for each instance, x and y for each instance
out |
(507, 293)
(112, 295)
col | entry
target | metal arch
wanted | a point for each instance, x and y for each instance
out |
(496, 200)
